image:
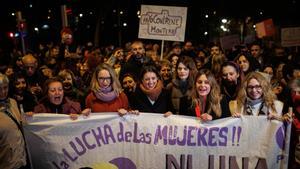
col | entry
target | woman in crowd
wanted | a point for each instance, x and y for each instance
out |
(12, 142)
(173, 59)
(70, 89)
(256, 98)
(129, 84)
(18, 90)
(106, 92)
(231, 79)
(150, 95)
(182, 84)
(247, 63)
(164, 67)
(206, 101)
(54, 100)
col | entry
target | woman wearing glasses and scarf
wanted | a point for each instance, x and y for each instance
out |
(106, 92)
(256, 98)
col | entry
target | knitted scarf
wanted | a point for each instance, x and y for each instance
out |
(250, 103)
(153, 93)
(106, 94)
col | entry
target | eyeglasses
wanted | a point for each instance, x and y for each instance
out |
(102, 79)
(256, 87)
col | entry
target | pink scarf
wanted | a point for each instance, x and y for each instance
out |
(106, 94)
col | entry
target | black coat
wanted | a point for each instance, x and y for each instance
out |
(139, 101)
(187, 109)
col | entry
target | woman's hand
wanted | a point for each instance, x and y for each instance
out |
(29, 114)
(167, 114)
(236, 115)
(274, 116)
(206, 117)
(73, 116)
(86, 112)
(136, 112)
(288, 117)
(123, 112)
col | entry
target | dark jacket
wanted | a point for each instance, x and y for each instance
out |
(139, 101)
(67, 107)
(133, 66)
(187, 109)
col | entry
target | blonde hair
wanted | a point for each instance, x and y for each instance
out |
(214, 97)
(3, 79)
(115, 83)
(268, 95)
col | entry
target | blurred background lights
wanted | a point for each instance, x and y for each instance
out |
(45, 26)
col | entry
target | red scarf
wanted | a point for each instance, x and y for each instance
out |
(153, 93)
(197, 107)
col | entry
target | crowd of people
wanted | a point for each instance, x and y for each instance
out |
(201, 81)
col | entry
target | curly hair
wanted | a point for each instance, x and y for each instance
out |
(268, 95)
(214, 97)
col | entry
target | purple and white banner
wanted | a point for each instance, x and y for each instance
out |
(151, 141)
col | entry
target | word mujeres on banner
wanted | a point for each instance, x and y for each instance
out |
(174, 143)
(166, 135)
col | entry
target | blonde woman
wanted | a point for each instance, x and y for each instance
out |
(106, 92)
(256, 98)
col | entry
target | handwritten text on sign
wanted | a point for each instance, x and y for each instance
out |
(164, 23)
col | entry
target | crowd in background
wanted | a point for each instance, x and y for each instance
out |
(195, 80)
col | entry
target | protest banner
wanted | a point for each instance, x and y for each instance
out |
(230, 41)
(146, 141)
(265, 28)
(290, 37)
(162, 22)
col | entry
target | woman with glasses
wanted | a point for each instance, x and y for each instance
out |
(106, 92)
(256, 98)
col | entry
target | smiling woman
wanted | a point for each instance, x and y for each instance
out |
(106, 92)
(150, 96)
(205, 101)
(256, 98)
